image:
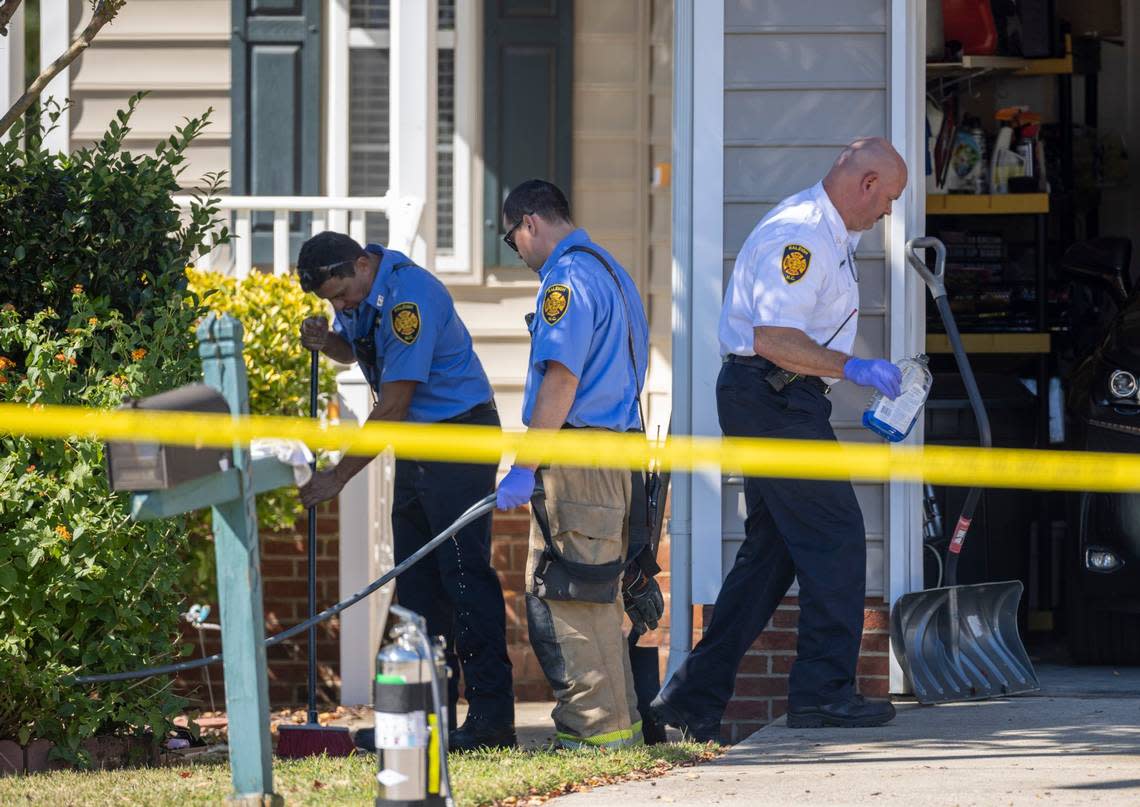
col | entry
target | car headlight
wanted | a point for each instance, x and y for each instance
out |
(1099, 559)
(1122, 384)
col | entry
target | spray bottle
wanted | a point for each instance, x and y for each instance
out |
(894, 420)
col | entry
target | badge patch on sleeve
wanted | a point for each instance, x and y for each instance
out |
(406, 322)
(795, 262)
(555, 303)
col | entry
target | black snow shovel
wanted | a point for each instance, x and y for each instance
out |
(959, 643)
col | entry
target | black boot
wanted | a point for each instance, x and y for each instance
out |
(479, 732)
(701, 731)
(858, 712)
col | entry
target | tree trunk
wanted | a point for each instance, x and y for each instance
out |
(105, 11)
(7, 9)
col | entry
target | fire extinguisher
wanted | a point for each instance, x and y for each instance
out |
(411, 715)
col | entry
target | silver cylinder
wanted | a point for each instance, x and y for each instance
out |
(402, 736)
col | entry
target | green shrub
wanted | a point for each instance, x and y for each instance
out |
(270, 309)
(94, 309)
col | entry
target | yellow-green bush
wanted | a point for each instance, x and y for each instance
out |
(270, 309)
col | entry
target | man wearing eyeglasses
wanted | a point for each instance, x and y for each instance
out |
(589, 351)
(399, 323)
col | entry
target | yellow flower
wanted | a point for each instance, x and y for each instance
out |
(118, 380)
(6, 363)
(60, 357)
(93, 321)
(31, 469)
(63, 532)
(77, 288)
(138, 354)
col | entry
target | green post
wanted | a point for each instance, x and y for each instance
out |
(239, 583)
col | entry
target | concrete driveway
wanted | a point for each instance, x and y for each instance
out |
(1075, 743)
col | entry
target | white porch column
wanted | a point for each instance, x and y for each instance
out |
(412, 114)
(907, 313)
(55, 37)
(12, 61)
(708, 287)
(337, 111)
(365, 551)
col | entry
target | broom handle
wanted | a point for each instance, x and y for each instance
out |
(314, 365)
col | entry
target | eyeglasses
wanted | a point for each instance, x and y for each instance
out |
(509, 238)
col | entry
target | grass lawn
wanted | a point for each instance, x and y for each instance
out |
(479, 778)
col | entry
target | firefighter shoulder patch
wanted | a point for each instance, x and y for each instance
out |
(795, 262)
(555, 303)
(406, 322)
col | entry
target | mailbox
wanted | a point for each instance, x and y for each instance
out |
(154, 466)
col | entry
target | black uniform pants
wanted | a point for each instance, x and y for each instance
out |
(796, 529)
(455, 588)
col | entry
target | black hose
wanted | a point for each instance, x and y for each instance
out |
(476, 511)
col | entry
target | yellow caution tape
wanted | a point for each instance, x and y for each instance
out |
(799, 459)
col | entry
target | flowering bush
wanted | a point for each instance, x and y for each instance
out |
(93, 309)
(270, 309)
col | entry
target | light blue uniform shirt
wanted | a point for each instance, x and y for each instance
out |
(581, 322)
(411, 319)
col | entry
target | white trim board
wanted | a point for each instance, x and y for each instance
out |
(906, 112)
(707, 290)
(55, 38)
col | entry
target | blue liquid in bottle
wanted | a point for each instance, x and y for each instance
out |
(893, 420)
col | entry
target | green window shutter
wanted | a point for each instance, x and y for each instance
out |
(275, 55)
(528, 48)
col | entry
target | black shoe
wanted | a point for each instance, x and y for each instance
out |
(701, 731)
(858, 712)
(365, 739)
(652, 731)
(478, 732)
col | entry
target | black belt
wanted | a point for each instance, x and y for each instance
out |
(761, 363)
(601, 428)
(474, 412)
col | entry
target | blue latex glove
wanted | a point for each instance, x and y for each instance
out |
(877, 373)
(515, 489)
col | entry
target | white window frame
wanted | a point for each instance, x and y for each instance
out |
(460, 264)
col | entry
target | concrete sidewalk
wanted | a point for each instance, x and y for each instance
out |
(1078, 746)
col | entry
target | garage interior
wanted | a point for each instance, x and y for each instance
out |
(1031, 108)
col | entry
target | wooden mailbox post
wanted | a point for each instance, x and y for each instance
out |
(230, 493)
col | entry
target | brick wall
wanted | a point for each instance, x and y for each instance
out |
(762, 682)
(284, 565)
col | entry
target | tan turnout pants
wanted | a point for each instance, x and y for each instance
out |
(580, 645)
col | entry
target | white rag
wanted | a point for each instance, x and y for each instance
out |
(290, 452)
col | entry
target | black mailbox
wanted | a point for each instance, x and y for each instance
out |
(154, 466)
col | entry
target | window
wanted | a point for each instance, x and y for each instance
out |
(369, 131)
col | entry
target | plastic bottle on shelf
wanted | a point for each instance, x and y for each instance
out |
(894, 420)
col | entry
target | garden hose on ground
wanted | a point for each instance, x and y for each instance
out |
(476, 511)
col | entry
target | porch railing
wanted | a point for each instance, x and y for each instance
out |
(328, 212)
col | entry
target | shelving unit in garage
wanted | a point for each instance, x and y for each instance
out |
(1039, 342)
(1025, 346)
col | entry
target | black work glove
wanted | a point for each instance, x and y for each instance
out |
(642, 597)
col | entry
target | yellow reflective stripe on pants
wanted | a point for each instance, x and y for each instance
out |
(622, 738)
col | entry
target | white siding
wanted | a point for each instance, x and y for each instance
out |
(801, 79)
(180, 53)
(609, 194)
(621, 126)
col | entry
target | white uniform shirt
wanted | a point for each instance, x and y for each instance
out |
(795, 270)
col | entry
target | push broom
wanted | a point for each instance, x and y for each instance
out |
(311, 738)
